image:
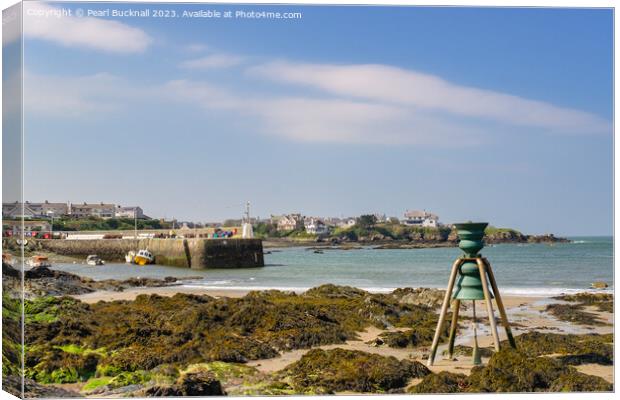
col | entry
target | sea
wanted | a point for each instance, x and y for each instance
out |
(520, 269)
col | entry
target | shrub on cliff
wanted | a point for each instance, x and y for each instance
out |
(341, 370)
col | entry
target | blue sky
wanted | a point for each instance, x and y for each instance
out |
(502, 115)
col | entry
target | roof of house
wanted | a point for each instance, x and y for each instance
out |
(97, 205)
(420, 214)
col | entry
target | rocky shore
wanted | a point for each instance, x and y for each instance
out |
(329, 339)
(44, 281)
(429, 238)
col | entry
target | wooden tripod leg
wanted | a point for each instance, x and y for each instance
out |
(456, 305)
(500, 305)
(487, 299)
(444, 310)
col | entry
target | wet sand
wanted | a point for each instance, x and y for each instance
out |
(525, 313)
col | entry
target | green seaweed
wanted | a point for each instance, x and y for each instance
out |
(188, 329)
(574, 313)
(572, 349)
(442, 382)
(95, 383)
(337, 370)
(467, 351)
(513, 371)
(52, 365)
(578, 382)
(602, 301)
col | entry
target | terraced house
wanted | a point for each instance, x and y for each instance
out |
(100, 210)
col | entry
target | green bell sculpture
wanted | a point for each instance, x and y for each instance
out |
(469, 286)
(473, 271)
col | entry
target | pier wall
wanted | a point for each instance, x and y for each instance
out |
(190, 253)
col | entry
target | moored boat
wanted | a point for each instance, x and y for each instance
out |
(129, 257)
(94, 259)
(38, 261)
(143, 257)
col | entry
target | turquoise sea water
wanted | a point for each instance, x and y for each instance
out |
(526, 269)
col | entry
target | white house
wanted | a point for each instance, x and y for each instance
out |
(315, 226)
(421, 218)
(129, 212)
(291, 222)
(347, 223)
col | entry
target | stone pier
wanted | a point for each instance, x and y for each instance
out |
(190, 253)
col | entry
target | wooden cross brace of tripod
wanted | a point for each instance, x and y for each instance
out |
(485, 271)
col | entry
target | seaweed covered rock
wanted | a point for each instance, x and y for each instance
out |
(422, 336)
(189, 384)
(467, 351)
(577, 382)
(602, 301)
(575, 314)
(11, 335)
(337, 370)
(185, 329)
(58, 366)
(420, 296)
(335, 292)
(512, 371)
(572, 349)
(442, 382)
(32, 389)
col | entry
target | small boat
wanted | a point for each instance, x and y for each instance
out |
(129, 257)
(143, 257)
(94, 259)
(38, 261)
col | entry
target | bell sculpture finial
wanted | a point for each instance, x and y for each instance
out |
(473, 271)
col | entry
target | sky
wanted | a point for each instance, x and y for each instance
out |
(495, 114)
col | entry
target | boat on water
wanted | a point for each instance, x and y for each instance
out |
(38, 261)
(142, 257)
(94, 259)
(129, 257)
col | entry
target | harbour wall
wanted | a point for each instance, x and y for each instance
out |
(190, 253)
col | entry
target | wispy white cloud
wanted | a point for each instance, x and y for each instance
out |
(79, 96)
(326, 120)
(353, 104)
(391, 85)
(213, 61)
(85, 32)
(195, 47)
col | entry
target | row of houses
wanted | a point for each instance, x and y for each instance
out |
(76, 210)
(317, 225)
